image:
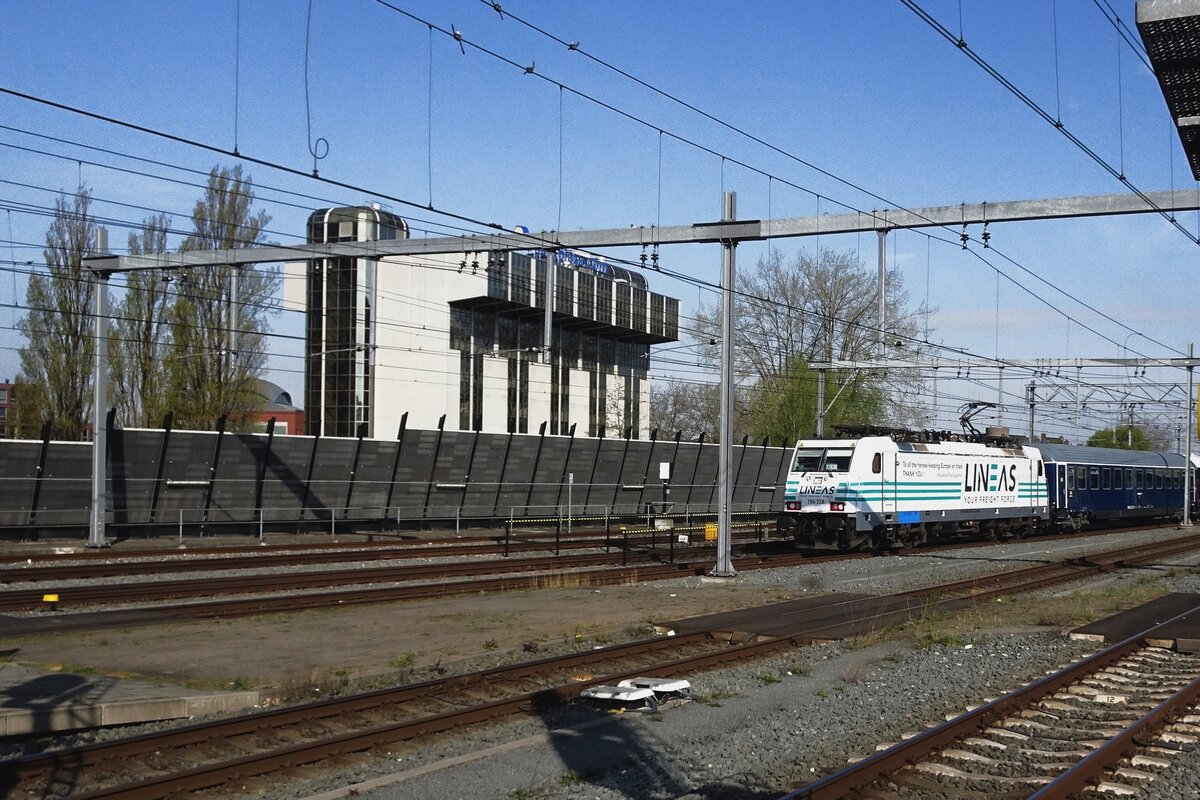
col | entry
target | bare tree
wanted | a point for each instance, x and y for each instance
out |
(57, 356)
(690, 407)
(211, 372)
(787, 314)
(140, 338)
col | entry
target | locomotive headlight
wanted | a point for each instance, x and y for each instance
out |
(791, 505)
(837, 506)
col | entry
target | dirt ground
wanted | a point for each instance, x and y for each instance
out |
(359, 643)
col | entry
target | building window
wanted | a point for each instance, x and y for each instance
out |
(656, 314)
(564, 290)
(639, 309)
(3, 397)
(522, 279)
(498, 275)
(604, 300)
(587, 296)
(671, 318)
(623, 311)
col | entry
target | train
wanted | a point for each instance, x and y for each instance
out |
(888, 488)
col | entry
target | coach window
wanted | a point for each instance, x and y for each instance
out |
(1128, 479)
(877, 463)
(1117, 482)
(1158, 476)
(1107, 478)
(1081, 477)
(1094, 479)
(1070, 479)
(1175, 484)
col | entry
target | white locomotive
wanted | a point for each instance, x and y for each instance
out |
(888, 490)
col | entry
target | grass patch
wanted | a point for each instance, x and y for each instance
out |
(712, 698)
(296, 688)
(403, 662)
(768, 677)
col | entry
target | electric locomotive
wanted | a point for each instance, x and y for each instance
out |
(901, 488)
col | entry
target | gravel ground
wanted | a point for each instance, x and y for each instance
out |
(758, 730)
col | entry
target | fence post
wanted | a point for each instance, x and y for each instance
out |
(624, 546)
(333, 523)
(557, 530)
(181, 545)
(260, 527)
(457, 515)
(507, 533)
(606, 529)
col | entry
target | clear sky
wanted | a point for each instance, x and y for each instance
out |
(866, 91)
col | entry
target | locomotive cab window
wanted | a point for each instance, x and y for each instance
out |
(807, 460)
(877, 463)
(1041, 470)
(838, 460)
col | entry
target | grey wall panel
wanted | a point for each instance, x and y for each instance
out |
(185, 476)
(66, 492)
(18, 469)
(450, 475)
(745, 470)
(412, 474)
(330, 474)
(132, 470)
(483, 484)
(548, 479)
(606, 481)
(583, 455)
(371, 480)
(283, 483)
(775, 470)
(498, 472)
(705, 484)
(515, 483)
(632, 478)
(235, 479)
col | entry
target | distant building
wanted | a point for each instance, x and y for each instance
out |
(277, 403)
(463, 336)
(8, 410)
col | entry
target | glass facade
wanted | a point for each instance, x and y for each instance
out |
(340, 324)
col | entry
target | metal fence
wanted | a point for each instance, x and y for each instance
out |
(160, 480)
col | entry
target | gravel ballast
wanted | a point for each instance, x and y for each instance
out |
(759, 729)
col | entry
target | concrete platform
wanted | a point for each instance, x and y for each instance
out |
(822, 618)
(1183, 635)
(32, 701)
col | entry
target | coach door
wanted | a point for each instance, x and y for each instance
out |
(1060, 487)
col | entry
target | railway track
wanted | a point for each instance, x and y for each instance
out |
(257, 746)
(212, 754)
(272, 593)
(1106, 723)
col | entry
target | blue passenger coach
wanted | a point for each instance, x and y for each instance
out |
(1096, 484)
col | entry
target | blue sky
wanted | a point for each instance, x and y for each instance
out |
(865, 90)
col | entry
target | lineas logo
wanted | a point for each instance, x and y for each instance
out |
(990, 478)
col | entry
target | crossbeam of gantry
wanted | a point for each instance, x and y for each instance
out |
(1170, 30)
(1042, 365)
(699, 233)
